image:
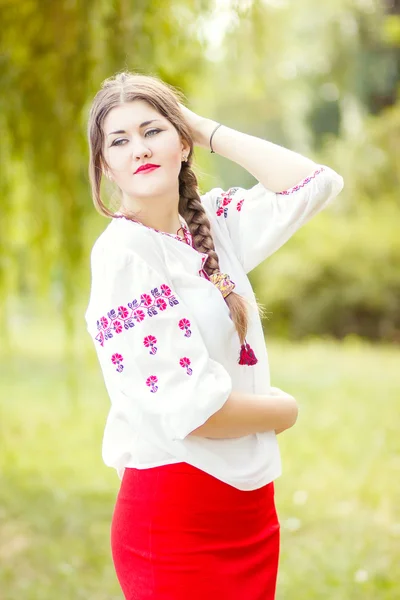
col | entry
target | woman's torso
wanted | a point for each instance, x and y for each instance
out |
(247, 462)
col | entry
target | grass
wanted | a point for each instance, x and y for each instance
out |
(338, 499)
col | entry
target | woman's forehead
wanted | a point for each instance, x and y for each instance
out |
(130, 115)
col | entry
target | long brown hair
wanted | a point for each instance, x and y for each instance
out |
(127, 87)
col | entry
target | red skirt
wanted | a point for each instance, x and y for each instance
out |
(178, 533)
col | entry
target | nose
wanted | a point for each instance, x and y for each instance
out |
(140, 149)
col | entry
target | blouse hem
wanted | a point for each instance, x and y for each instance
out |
(270, 474)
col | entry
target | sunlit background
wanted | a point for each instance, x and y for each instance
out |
(319, 77)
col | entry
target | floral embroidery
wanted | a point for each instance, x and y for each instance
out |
(166, 290)
(124, 317)
(138, 315)
(185, 362)
(117, 359)
(149, 342)
(123, 312)
(151, 382)
(118, 326)
(302, 184)
(103, 322)
(239, 205)
(222, 210)
(146, 300)
(184, 324)
(224, 201)
(161, 304)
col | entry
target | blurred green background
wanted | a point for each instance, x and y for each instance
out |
(318, 77)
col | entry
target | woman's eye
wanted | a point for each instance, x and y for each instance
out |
(152, 131)
(118, 142)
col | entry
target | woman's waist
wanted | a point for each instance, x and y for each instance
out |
(236, 460)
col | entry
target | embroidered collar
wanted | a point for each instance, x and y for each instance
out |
(188, 239)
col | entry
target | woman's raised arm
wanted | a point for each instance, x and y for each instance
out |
(276, 167)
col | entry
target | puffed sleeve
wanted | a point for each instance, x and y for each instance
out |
(150, 349)
(260, 221)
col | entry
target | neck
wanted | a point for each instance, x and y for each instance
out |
(162, 215)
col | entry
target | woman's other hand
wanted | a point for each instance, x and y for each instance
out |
(201, 128)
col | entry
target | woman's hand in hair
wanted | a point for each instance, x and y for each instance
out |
(201, 128)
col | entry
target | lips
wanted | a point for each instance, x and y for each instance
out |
(146, 168)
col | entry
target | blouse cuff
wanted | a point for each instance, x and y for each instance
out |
(207, 399)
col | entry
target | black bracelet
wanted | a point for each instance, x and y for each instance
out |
(211, 137)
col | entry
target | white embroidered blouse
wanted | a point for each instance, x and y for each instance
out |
(167, 347)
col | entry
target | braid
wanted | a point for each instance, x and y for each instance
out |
(194, 214)
(192, 210)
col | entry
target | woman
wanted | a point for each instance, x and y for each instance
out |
(193, 418)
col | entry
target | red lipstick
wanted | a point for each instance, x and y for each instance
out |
(146, 167)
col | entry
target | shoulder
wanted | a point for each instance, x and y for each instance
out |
(210, 202)
(220, 204)
(124, 243)
(209, 198)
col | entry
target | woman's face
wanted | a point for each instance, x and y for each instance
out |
(136, 134)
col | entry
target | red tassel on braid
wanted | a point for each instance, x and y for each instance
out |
(247, 356)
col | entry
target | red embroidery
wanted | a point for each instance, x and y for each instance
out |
(138, 315)
(188, 236)
(302, 184)
(166, 290)
(146, 299)
(149, 342)
(151, 382)
(203, 261)
(118, 326)
(117, 359)
(184, 324)
(123, 312)
(161, 304)
(185, 362)
(224, 201)
(239, 205)
(123, 318)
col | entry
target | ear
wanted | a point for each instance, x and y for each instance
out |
(185, 149)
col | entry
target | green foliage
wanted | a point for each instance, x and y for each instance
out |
(54, 56)
(337, 276)
(320, 78)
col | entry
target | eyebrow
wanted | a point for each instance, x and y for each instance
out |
(140, 126)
